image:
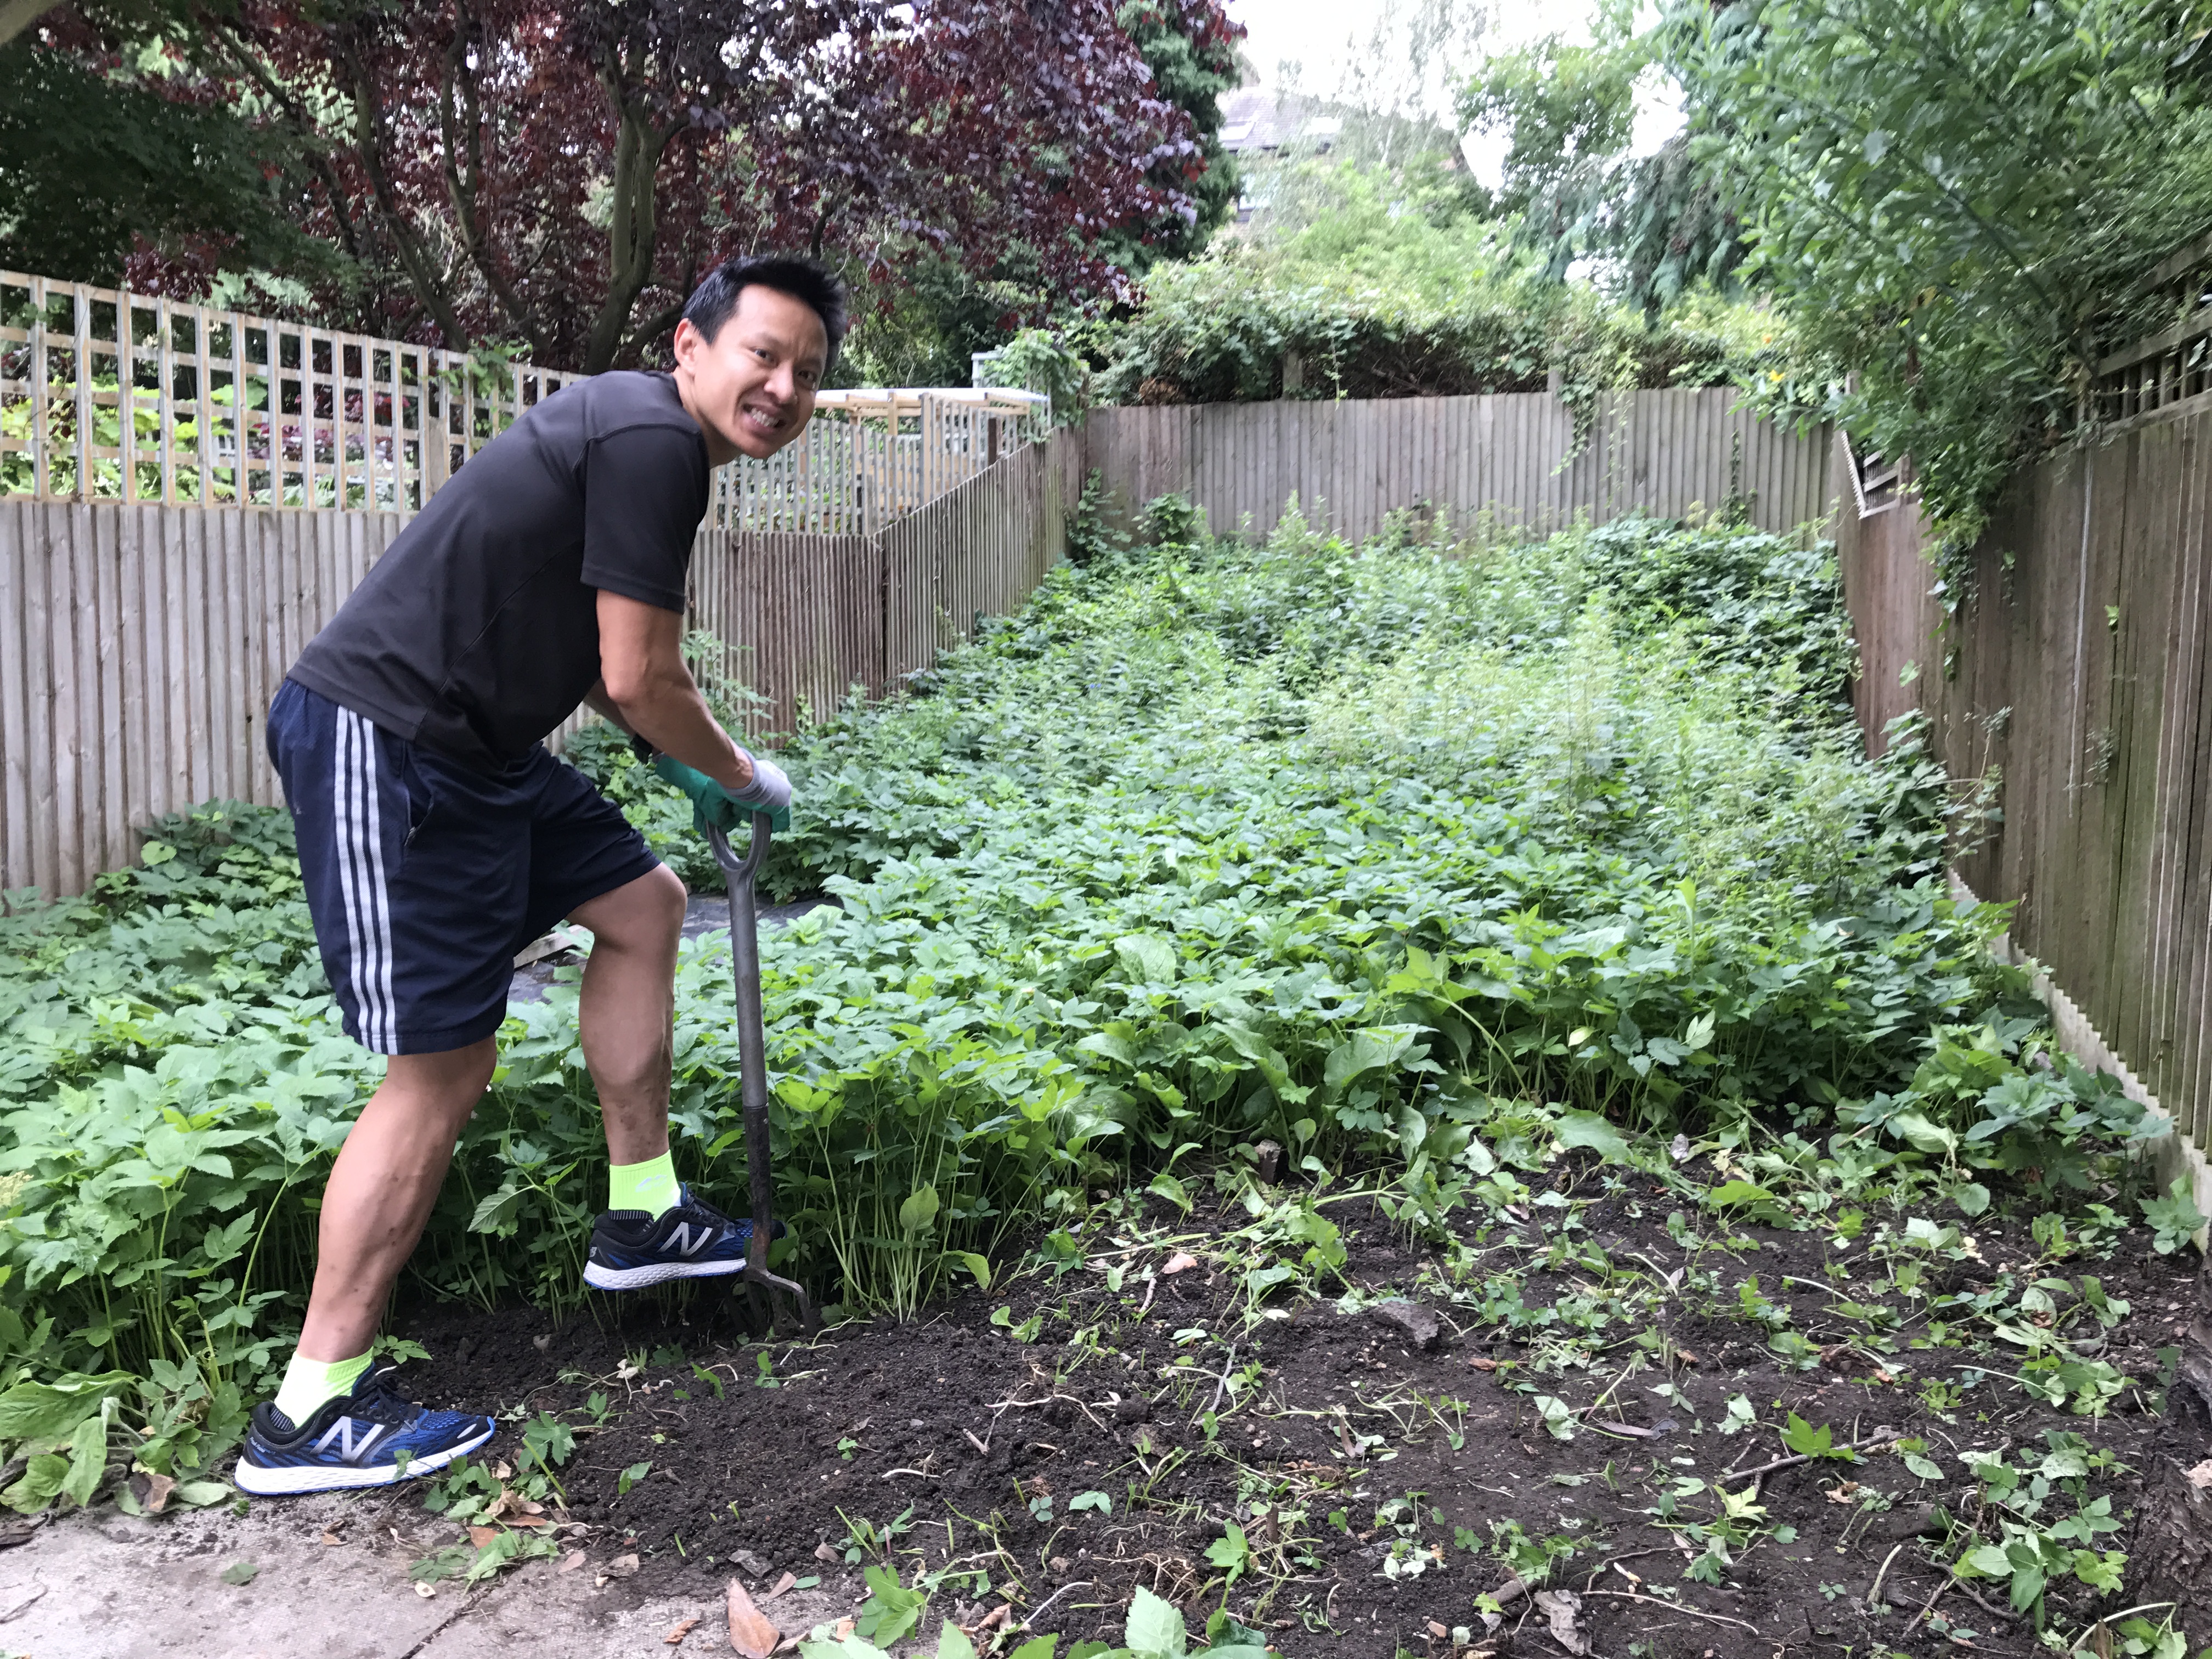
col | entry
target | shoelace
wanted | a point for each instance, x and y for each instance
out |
(382, 1401)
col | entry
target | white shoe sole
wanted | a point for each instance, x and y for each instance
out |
(261, 1482)
(660, 1273)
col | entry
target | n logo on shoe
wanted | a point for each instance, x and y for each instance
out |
(349, 1449)
(680, 1241)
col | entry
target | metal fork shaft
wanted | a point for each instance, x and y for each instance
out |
(752, 1058)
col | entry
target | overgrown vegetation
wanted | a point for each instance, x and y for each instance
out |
(1412, 859)
(1398, 288)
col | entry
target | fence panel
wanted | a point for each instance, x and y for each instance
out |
(1511, 459)
(2076, 672)
(140, 644)
(976, 551)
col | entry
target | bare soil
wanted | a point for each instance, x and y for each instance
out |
(973, 1442)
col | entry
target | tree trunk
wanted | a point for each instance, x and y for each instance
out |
(2170, 1554)
(632, 225)
(421, 266)
(463, 132)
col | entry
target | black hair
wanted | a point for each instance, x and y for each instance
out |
(814, 284)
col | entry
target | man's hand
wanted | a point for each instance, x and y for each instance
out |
(714, 806)
(651, 694)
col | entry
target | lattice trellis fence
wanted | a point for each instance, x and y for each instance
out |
(110, 396)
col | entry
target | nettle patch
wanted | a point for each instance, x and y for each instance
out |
(1429, 867)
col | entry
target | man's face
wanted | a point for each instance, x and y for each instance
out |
(751, 387)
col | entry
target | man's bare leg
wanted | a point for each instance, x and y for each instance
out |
(626, 1010)
(380, 1191)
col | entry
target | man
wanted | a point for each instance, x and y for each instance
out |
(437, 836)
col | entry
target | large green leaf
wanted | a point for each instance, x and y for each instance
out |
(1589, 1130)
(1155, 1628)
(52, 1411)
(1146, 957)
(919, 1210)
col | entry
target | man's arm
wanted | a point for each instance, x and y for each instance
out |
(645, 689)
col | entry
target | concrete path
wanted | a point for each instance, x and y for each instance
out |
(332, 1583)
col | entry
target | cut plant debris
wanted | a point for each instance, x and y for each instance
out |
(1527, 909)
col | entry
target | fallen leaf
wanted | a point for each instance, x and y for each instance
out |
(571, 1561)
(1628, 1429)
(823, 1552)
(240, 1572)
(845, 1627)
(675, 1637)
(751, 1631)
(506, 1470)
(996, 1617)
(1687, 1358)
(480, 1536)
(1559, 1608)
(332, 1538)
(1482, 1364)
(1843, 1491)
(781, 1585)
(622, 1566)
(1437, 1630)
(2201, 1476)
(1181, 1262)
(158, 1488)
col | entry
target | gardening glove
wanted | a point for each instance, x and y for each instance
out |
(714, 806)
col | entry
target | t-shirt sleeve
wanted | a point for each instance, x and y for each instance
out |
(645, 491)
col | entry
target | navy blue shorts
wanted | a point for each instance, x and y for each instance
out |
(425, 878)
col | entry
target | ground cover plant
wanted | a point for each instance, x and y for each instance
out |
(1478, 881)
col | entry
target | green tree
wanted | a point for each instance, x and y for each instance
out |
(1191, 45)
(1956, 200)
(1661, 222)
(114, 138)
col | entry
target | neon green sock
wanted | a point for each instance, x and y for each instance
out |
(309, 1382)
(650, 1186)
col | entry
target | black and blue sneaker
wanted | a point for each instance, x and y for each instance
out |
(355, 1440)
(631, 1250)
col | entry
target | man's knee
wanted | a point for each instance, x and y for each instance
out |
(644, 914)
(451, 1081)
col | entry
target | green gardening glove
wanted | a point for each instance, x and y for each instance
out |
(714, 806)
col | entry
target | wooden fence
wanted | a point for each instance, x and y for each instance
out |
(1512, 458)
(2075, 670)
(140, 644)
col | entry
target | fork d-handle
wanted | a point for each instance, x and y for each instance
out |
(752, 1057)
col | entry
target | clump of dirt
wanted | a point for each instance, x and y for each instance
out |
(1557, 1413)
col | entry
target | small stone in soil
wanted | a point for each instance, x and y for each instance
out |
(752, 1563)
(1410, 1320)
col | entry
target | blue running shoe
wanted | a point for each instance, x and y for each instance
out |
(354, 1441)
(631, 1250)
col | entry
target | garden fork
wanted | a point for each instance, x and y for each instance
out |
(752, 1056)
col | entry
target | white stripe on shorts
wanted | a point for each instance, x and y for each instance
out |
(361, 879)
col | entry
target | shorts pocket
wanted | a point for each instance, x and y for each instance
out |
(422, 801)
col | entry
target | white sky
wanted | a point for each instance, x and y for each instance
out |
(1318, 33)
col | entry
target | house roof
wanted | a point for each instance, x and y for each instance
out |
(1261, 118)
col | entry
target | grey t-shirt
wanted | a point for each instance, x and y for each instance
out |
(478, 632)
